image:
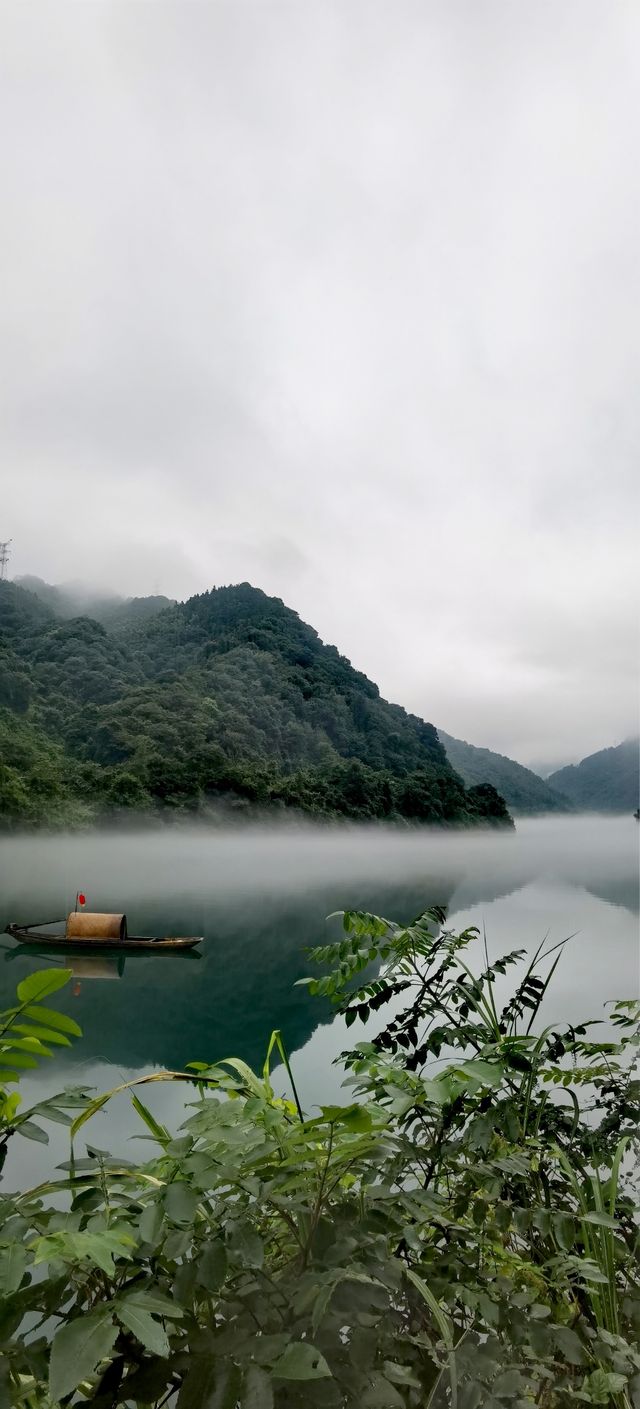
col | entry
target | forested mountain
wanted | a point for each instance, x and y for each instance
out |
(226, 696)
(112, 611)
(523, 791)
(607, 781)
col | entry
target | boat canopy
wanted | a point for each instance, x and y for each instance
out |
(81, 924)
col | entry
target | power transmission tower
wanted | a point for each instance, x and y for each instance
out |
(5, 554)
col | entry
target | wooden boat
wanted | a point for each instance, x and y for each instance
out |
(83, 930)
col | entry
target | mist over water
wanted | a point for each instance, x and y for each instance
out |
(259, 895)
(244, 864)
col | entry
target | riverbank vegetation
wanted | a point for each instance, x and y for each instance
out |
(462, 1231)
(226, 699)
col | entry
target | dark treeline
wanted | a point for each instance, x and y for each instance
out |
(227, 696)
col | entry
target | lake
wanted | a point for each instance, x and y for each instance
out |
(259, 896)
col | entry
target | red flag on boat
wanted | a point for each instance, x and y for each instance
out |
(82, 899)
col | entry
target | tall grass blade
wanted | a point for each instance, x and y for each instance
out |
(444, 1326)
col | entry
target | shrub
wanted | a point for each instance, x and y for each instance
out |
(461, 1233)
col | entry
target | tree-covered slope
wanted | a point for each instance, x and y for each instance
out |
(229, 695)
(523, 791)
(607, 781)
(72, 600)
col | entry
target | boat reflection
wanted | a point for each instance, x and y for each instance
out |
(82, 966)
(93, 967)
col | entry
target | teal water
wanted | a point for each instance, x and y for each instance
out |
(259, 896)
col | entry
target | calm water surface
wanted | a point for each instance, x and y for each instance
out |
(259, 897)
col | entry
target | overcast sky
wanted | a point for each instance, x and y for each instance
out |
(342, 299)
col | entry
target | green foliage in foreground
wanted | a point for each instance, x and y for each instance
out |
(28, 1032)
(462, 1233)
(225, 699)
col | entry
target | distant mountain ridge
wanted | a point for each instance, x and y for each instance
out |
(226, 696)
(607, 781)
(524, 792)
(73, 600)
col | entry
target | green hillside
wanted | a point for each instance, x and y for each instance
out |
(114, 612)
(523, 791)
(226, 697)
(607, 781)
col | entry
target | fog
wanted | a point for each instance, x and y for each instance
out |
(244, 865)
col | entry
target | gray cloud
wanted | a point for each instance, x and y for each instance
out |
(341, 299)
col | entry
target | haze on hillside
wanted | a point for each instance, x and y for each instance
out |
(341, 301)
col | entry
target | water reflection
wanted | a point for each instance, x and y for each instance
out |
(172, 1008)
(261, 897)
(82, 966)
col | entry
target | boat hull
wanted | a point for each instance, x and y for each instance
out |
(26, 935)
